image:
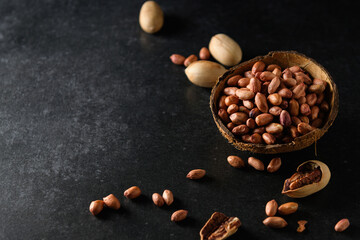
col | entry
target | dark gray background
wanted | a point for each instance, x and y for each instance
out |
(91, 105)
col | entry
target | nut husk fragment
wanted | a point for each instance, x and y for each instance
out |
(219, 227)
(311, 177)
(301, 227)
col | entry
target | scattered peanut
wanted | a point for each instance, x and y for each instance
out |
(275, 222)
(177, 59)
(179, 215)
(236, 161)
(168, 197)
(196, 174)
(158, 200)
(132, 192)
(96, 207)
(190, 59)
(288, 208)
(274, 165)
(112, 202)
(342, 225)
(271, 208)
(204, 53)
(256, 163)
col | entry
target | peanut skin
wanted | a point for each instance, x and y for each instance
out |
(258, 67)
(204, 53)
(132, 192)
(177, 59)
(271, 208)
(96, 207)
(256, 163)
(342, 225)
(236, 161)
(275, 222)
(274, 165)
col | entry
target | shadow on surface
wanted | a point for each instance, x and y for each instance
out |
(173, 25)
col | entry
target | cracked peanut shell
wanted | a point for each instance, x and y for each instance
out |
(310, 177)
(219, 227)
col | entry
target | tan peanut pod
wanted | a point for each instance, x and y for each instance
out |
(311, 188)
(284, 59)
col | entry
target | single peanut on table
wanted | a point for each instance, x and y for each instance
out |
(96, 207)
(288, 208)
(132, 192)
(271, 208)
(179, 215)
(275, 222)
(112, 202)
(204, 53)
(236, 161)
(256, 163)
(274, 165)
(158, 199)
(177, 59)
(168, 197)
(196, 174)
(342, 225)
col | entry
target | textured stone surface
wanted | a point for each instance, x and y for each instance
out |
(90, 105)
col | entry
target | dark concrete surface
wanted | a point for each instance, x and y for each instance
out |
(91, 105)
